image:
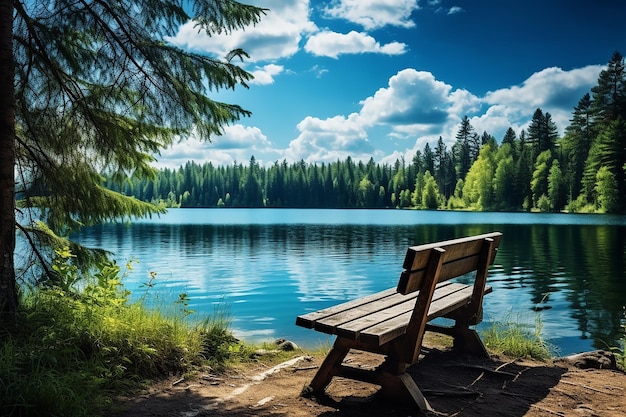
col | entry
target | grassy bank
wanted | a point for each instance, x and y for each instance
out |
(73, 347)
(518, 338)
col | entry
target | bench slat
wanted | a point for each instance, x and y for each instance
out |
(412, 280)
(385, 315)
(384, 332)
(352, 329)
(417, 256)
(308, 320)
(327, 319)
(461, 257)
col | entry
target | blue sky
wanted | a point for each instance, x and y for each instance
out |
(381, 78)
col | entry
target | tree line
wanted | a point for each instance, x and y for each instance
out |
(534, 169)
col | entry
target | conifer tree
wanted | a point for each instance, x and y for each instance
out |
(576, 143)
(609, 95)
(96, 86)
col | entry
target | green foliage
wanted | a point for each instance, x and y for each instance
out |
(556, 187)
(607, 191)
(517, 338)
(79, 342)
(97, 90)
(620, 351)
(478, 188)
(503, 192)
(430, 194)
(539, 182)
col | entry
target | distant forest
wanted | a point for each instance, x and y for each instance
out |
(535, 169)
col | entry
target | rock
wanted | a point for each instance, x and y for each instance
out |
(597, 359)
(286, 345)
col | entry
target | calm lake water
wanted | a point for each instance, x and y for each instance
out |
(266, 266)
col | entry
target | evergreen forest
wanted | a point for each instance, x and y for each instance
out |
(533, 170)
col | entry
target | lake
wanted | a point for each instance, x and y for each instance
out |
(266, 266)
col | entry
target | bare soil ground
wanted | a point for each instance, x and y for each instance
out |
(454, 386)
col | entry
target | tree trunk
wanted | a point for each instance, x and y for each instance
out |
(8, 286)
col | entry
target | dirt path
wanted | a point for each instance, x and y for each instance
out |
(454, 387)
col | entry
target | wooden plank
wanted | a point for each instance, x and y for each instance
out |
(352, 329)
(386, 331)
(330, 323)
(412, 281)
(308, 320)
(455, 248)
(461, 257)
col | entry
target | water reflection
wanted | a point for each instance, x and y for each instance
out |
(571, 275)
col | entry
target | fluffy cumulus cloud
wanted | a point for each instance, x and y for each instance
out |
(554, 90)
(237, 143)
(326, 140)
(373, 14)
(265, 75)
(412, 98)
(333, 44)
(413, 104)
(277, 35)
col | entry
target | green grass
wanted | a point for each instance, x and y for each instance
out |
(518, 338)
(73, 347)
(620, 350)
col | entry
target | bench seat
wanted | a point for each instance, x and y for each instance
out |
(383, 316)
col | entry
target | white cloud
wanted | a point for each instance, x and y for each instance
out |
(329, 139)
(455, 10)
(277, 35)
(412, 98)
(333, 44)
(553, 90)
(372, 14)
(415, 105)
(495, 121)
(238, 143)
(265, 75)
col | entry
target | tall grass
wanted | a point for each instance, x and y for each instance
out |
(76, 344)
(518, 338)
(620, 350)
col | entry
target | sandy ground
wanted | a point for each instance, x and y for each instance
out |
(453, 386)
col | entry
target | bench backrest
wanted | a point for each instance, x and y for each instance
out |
(427, 265)
(461, 256)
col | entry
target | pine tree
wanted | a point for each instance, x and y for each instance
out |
(608, 150)
(576, 143)
(97, 87)
(609, 95)
(542, 132)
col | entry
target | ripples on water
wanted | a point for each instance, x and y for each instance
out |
(281, 263)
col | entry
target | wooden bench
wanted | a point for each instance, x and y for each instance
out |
(393, 322)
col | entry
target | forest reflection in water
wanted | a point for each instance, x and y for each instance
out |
(266, 272)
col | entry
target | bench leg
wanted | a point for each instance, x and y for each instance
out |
(401, 388)
(329, 367)
(396, 384)
(467, 341)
